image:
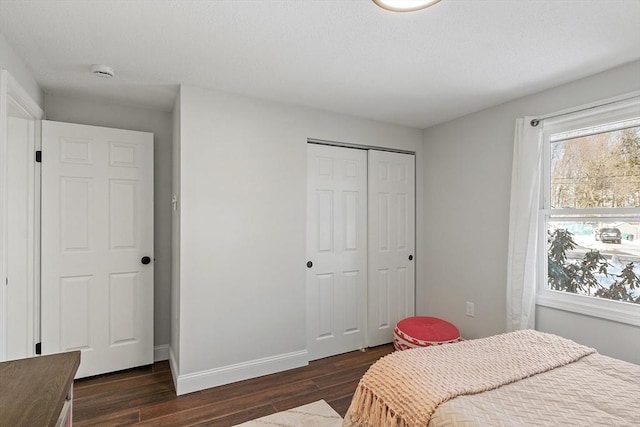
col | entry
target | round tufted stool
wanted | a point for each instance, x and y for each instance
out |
(422, 331)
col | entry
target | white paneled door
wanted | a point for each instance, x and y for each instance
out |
(97, 245)
(391, 243)
(336, 250)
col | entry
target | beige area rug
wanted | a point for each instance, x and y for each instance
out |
(316, 414)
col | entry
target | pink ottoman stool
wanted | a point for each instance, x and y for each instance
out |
(422, 331)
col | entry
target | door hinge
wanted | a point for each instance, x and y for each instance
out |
(39, 156)
(39, 348)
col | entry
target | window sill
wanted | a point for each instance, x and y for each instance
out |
(605, 309)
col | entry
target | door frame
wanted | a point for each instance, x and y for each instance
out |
(415, 207)
(13, 98)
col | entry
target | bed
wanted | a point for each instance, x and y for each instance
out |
(523, 378)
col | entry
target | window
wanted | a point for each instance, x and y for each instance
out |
(590, 213)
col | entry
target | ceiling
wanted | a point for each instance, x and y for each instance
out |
(348, 56)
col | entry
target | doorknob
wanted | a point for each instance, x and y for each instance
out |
(410, 257)
(145, 260)
(309, 264)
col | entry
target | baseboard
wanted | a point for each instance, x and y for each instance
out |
(241, 371)
(161, 352)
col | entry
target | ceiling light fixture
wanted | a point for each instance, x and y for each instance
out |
(101, 70)
(405, 5)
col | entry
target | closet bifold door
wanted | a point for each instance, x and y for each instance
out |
(391, 288)
(336, 250)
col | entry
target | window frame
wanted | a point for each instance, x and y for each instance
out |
(610, 111)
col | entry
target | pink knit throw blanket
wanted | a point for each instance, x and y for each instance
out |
(405, 388)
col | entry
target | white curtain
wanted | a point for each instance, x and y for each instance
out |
(522, 269)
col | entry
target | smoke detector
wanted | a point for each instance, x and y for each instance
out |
(102, 70)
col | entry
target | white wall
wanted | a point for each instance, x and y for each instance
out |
(12, 62)
(99, 113)
(243, 224)
(611, 338)
(467, 188)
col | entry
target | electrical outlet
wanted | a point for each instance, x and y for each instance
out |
(471, 309)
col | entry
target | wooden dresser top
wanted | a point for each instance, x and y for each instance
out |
(33, 391)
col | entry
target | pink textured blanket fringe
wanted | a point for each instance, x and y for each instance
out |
(376, 412)
(405, 388)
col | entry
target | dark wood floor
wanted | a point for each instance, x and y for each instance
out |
(146, 396)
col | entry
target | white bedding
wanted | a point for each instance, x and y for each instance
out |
(525, 378)
(593, 391)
